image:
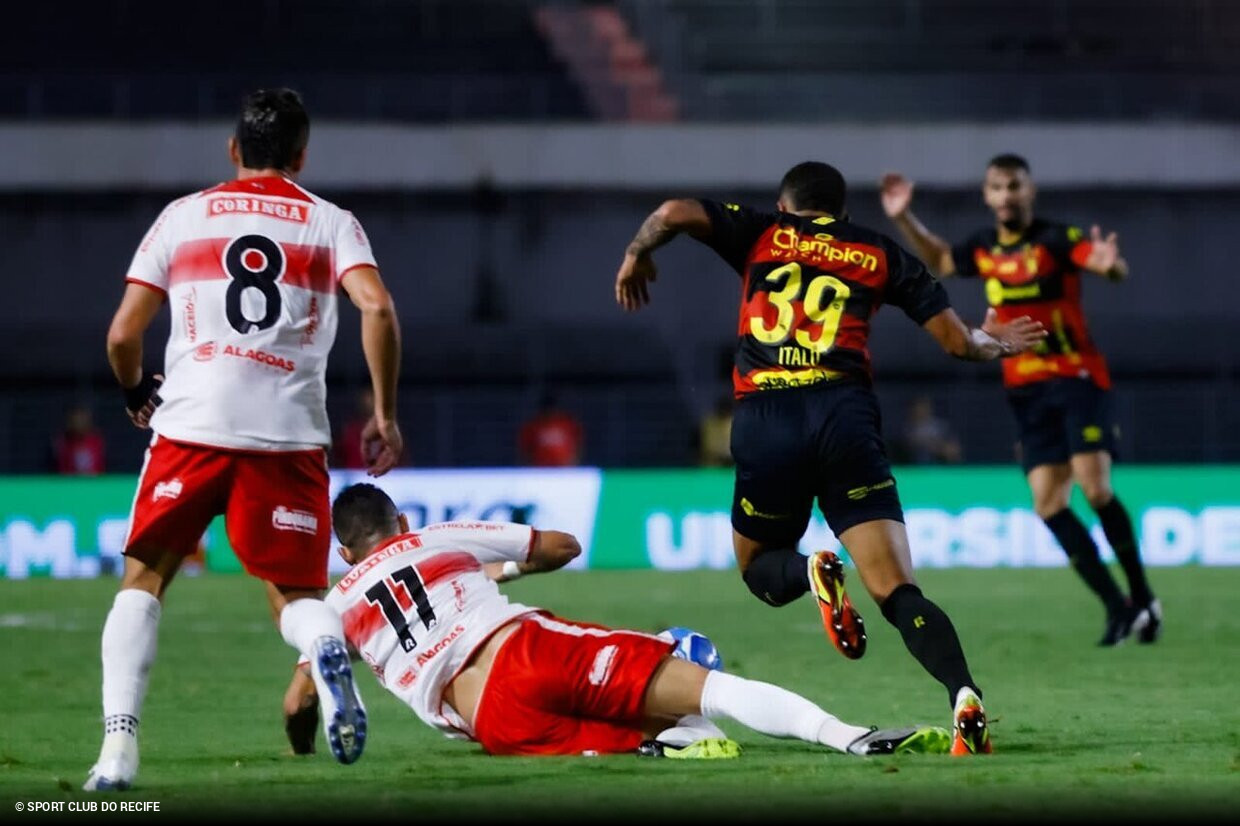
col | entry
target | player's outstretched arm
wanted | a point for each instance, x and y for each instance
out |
(665, 223)
(382, 442)
(896, 192)
(992, 340)
(135, 313)
(552, 550)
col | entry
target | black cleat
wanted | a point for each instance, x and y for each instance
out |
(1119, 626)
(1147, 627)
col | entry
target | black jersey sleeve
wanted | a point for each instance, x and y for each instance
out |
(912, 287)
(962, 255)
(734, 229)
(1062, 241)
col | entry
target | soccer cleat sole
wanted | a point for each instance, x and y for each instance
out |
(972, 735)
(346, 725)
(843, 624)
(711, 748)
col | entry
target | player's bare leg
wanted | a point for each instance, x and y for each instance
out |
(1051, 485)
(1092, 472)
(128, 650)
(315, 630)
(880, 550)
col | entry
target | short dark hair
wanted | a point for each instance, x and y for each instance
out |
(815, 185)
(363, 514)
(273, 129)
(1009, 161)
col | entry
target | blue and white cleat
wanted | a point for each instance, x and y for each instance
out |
(117, 765)
(344, 716)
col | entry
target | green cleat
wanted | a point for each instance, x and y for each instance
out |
(711, 748)
(911, 740)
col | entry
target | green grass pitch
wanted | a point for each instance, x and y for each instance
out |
(1134, 732)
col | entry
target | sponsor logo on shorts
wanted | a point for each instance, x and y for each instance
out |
(750, 510)
(1092, 433)
(603, 662)
(286, 519)
(169, 489)
(865, 490)
(204, 351)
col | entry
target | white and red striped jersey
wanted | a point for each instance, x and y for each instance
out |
(419, 606)
(250, 269)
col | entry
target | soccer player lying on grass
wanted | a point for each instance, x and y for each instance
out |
(423, 610)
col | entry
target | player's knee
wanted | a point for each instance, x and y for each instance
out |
(769, 578)
(1098, 494)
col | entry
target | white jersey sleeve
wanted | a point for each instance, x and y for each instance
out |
(417, 608)
(154, 255)
(352, 245)
(486, 541)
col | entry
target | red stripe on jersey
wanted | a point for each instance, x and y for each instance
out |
(361, 622)
(309, 268)
(442, 566)
(201, 260)
(305, 266)
(148, 285)
(271, 185)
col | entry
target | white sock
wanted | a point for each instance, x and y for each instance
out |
(305, 620)
(774, 711)
(128, 650)
(965, 691)
(690, 729)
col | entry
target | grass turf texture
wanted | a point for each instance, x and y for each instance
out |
(1129, 733)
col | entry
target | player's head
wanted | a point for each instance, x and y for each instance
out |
(813, 186)
(272, 132)
(363, 517)
(1009, 191)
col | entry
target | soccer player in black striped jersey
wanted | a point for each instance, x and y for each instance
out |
(1059, 392)
(806, 424)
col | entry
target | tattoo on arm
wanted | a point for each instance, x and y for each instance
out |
(652, 235)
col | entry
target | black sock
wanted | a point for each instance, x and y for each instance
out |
(778, 576)
(1118, 528)
(1083, 554)
(930, 637)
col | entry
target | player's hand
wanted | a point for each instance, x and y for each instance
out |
(142, 399)
(1016, 336)
(636, 272)
(1104, 254)
(381, 445)
(896, 192)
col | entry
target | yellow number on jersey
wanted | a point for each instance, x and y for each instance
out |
(829, 315)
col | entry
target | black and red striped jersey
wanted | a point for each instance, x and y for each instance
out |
(1038, 275)
(809, 287)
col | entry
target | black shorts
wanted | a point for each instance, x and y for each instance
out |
(796, 444)
(1060, 418)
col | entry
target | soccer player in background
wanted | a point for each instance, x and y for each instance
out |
(250, 270)
(807, 424)
(1060, 391)
(423, 610)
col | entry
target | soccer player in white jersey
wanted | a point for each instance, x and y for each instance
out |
(250, 271)
(423, 610)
